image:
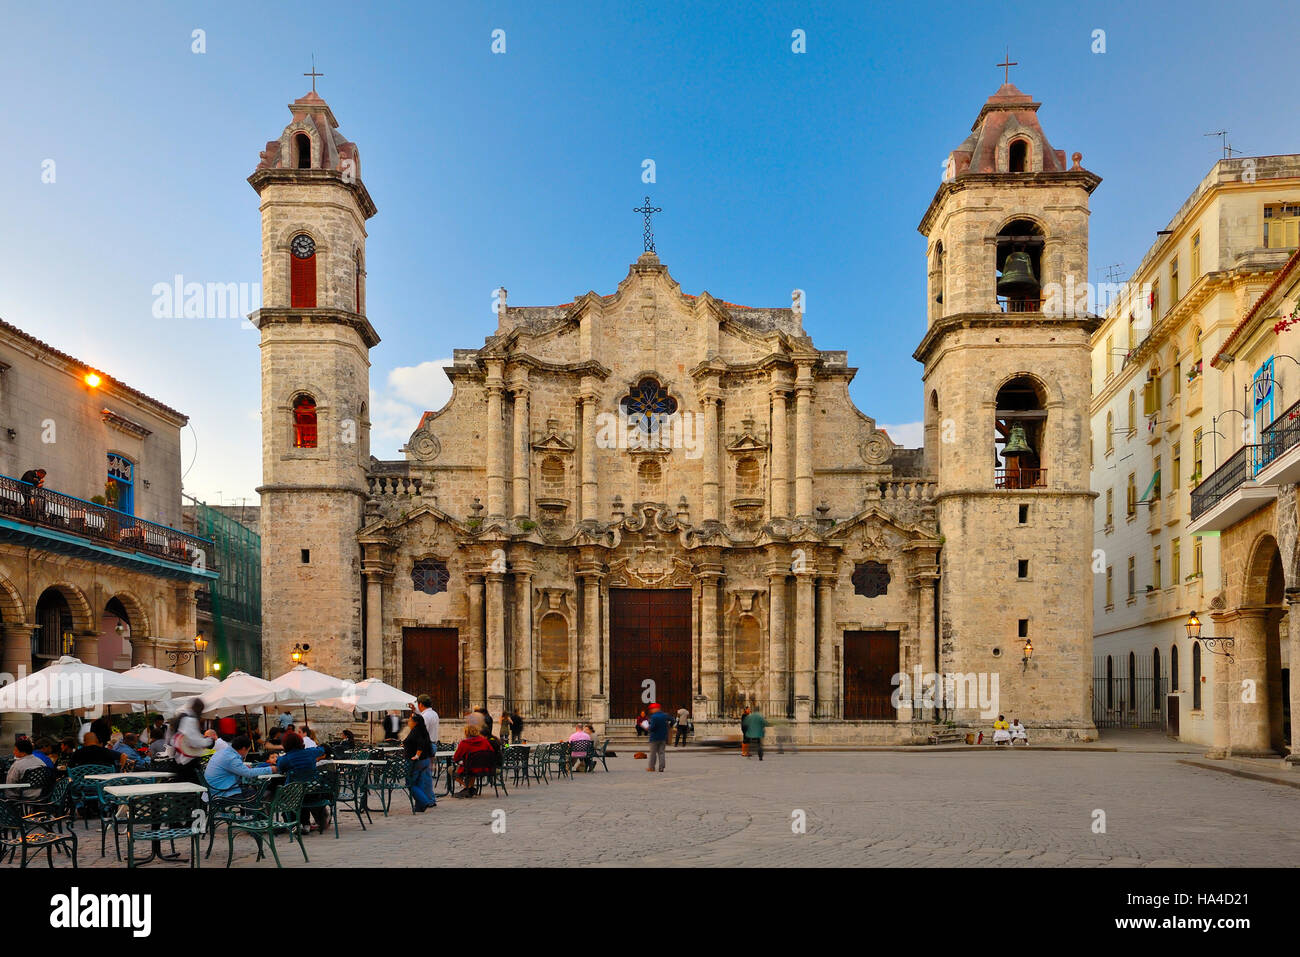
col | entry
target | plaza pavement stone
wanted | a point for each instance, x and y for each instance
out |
(717, 809)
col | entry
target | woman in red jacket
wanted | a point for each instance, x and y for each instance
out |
(472, 741)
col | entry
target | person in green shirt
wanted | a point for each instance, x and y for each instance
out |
(754, 727)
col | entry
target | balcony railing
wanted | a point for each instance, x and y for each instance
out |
(1282, 435)
(1019, 305)
(47, 508)
(1019, 478)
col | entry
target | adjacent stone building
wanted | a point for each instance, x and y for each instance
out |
(656, 495)
(93, 563)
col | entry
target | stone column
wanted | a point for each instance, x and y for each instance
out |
(1293, 637)
(144, 651)
(376, 573)
(710, 577)
(925, 585)
(805, 642)
(589, 488)
(85, 645)
(777, 654)
(1249, 719)
(780, 455)
(589, 651)
(521, 454)
(709, 449)
(826, 700)
(496, 466)
(495, 645)
(17, 663)
(475, 656)
(522, 657)
(803, 450)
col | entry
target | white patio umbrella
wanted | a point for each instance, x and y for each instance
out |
(304, 686)
(72, 685)
(242, 690)
(174, 683)
(368, 696)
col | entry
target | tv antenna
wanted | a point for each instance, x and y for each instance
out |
(1228, 150)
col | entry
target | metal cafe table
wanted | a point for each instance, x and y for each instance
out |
(130, 792)
(144, 776)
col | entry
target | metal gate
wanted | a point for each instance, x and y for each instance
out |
(1129, 692)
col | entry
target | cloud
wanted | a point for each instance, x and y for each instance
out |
(910, 435)
(395, 409)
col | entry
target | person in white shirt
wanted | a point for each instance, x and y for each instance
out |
(424, 707)
(1018, 733)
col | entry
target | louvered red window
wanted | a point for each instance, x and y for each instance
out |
(302, 273)
(304, 423)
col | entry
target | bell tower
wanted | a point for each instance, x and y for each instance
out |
(1007, 380)
(315, 348)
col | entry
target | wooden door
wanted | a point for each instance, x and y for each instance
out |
(431, 665)
(870, 663)
(649, 638)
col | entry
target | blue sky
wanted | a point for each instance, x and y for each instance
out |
(775, 170)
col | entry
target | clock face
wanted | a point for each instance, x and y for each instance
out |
(303, 246)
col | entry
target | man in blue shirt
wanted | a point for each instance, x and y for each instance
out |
(226, 767)
(127, 745)
(43, 748)
(659, 725)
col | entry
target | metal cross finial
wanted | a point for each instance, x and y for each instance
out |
(648, 211)
(1006, 64)
(313, 74)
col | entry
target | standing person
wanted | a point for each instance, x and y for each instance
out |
(516, 727)
(419, 749)
(658, 735)
(683, 727)
(392, 725)
(486, 719)
(503, 724)
(744, 738)
(286, 719)
(189, 742)
(424, 706)
(755, 726)
(35, 500)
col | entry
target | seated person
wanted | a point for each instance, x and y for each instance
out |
(92, 752)
(473, 741)
(348, 742)
(47, 749)
(129, 745)
(276, 741)
(308, 737)
(1018, 732)
(157, 742)
(226, 769)
(1001, 731)
(580, 734)
(24, 761)
(298, 763)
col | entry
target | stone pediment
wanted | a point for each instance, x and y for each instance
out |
(553, 441)
(877, 530)
(650, 567)
(747, 440)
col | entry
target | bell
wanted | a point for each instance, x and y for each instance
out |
(1017, 280)
(1017, 444)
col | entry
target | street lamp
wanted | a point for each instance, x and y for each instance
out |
(178, 658)
(299, 652)
(1193, 627)
(1029, 653)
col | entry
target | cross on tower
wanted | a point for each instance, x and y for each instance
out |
(1006, 64)
(313, 74)
(649, 211)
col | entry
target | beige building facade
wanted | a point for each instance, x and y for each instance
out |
(652, 495)
(93, 563)
(1164, 417)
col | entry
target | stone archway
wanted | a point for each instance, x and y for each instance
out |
(1258, 708)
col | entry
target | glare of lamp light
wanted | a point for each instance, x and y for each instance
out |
(92, 379)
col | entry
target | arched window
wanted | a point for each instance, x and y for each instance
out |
(1020, 266)
(302, 146)
(1196, 676)
(649, 481)
(360, 271)
(1173, 667)
(53, 625)
(553, 643)
(302, 272)
(1019, 434)
(304, 422)
(430, 576)
(1110, 683)
(938, 289)
(1018, 160)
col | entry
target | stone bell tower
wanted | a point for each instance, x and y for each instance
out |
(1007, 384)
(316, 343)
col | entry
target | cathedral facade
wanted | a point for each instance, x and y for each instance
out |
(653, 495)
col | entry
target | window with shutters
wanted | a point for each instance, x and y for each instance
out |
(1110, 587)
(1110, 509)
(1110, 432)
(302, 272)
(1173, 281)
(1132, 414)
(1155, 567)
(1196, 257)
(1281, 226)
(1175, 561)
(1132, 577)
(1132, 496)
